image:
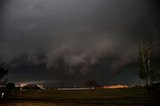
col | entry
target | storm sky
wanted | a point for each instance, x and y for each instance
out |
(72, 41)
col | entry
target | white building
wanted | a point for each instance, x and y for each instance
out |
(22, 84)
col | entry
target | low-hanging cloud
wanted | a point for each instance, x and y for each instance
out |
(74, 34)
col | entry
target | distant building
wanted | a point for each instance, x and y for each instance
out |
(40, 86)
(22, 85)
(31, 85)
(116, 86)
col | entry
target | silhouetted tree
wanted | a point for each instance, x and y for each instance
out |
(146, 70)
(2, 81)
(3, 72)
(10, 86)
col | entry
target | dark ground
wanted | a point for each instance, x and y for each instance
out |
(127, 96)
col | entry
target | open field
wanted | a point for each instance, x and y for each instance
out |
(128, 96)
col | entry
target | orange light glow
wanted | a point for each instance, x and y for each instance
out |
(116, 86)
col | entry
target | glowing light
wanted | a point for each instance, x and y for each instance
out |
(116, 86)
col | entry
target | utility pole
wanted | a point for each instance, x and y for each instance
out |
(75, 85)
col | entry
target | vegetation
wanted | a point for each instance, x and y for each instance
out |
(10, 86)
(2, 81)
(147, 64)
(106, 96)
(148, 67)
(3, 72)
(146, 72)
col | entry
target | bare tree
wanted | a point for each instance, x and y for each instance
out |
(149, 66)
(3, 72)
(145, 71)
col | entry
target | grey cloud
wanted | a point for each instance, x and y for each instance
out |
(73, 35)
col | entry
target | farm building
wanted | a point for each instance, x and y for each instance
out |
(29, 85)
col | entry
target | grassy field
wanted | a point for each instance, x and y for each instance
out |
(136, 96)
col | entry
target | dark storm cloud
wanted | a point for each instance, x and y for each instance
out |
(74, 35)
